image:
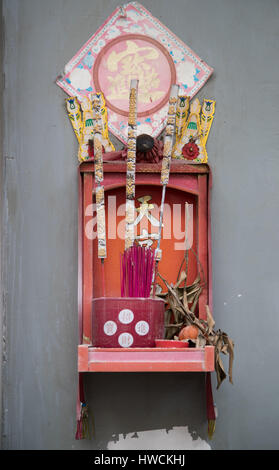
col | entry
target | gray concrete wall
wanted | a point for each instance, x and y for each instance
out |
(39, 235)
(1, 205)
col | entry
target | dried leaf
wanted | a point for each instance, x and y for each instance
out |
(197, 296)
(210, 320)
(181, 305)
(182, 278)
(185, 301)
(230, 349)
(225, 349)
(200, 341)
(220, 371)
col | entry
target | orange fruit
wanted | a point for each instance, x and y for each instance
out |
(188, 332)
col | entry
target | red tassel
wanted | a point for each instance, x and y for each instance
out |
(211, 415)
(79, 431)
(82, 430)
(80, 396)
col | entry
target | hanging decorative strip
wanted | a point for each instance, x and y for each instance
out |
(167, 153)
(99, 176)
(133, 44)
(165, 171)
(169, 134)
(131, 164)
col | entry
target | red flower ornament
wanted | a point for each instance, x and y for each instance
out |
(190, 151)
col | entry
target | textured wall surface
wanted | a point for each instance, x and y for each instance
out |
(239, 40)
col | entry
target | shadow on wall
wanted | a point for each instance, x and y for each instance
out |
(148, 411)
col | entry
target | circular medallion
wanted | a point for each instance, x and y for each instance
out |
(126, 316)
(125, 340)
(134, 56)
(110, 328)
(142, 328)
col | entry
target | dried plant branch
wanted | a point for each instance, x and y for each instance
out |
(181, 314)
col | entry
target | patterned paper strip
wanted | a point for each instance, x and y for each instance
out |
(100, 116)
(87, 127)
(207, 116)
(131, 164)
(101, 222)
(167, 152)
(193, 127)
(169, 134)
(98, 158)
(181, 114)
(93, 112)
(99, 174)
(74, 113)
(130, 217)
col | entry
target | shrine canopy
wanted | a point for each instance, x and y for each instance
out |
(132, 44)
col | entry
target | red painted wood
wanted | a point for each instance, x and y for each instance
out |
(209, 247)
(87, 260)
(187, 183)
(203, 242)
(177, 166)
(80, 255)
(145, 367)
(171, 258)
(83, 358)
(146, 354)
(192, 179)
(209, 363)
(146, 359)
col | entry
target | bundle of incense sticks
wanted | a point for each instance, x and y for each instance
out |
(137, 266)
(131, 164)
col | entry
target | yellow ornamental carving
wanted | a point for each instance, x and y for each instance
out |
(192, 137)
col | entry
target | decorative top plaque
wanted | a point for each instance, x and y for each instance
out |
(132, 44)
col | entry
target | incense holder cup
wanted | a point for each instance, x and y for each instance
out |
(127, 322)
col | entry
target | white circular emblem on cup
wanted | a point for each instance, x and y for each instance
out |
(142, 328)
(125, 340)
(126, 316)
(110, 328)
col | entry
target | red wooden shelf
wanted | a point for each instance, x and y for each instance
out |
(177, 166)
(193, 183)
(92, 359)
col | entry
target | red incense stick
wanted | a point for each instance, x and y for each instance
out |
(136, 270)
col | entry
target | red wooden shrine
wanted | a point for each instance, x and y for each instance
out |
(187, 183)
